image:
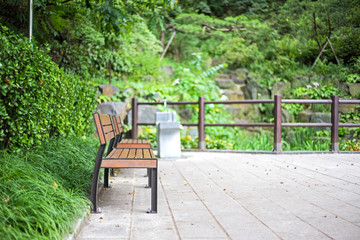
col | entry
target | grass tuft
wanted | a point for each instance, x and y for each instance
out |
(43, 191)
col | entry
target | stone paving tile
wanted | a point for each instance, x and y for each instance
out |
(236, 196)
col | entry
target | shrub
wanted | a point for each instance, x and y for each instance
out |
(37, 99)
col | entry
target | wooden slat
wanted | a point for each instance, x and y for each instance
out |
(108, 128)
(132, 153)
(152, 153)
(116, 126)
(99, 128)
(124, 141)
(112, 153)
(124, 153)
(129, 163)
(105, 119)
(109, 136)
(147, 153)
(129, 145)
(139, 153)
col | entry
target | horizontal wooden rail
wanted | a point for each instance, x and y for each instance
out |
(277, 125)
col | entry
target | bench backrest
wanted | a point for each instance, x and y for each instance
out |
(104, 127)
(119, 130)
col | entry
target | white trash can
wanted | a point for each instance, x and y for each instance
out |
(168, 135)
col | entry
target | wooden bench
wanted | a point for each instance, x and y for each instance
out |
(120, 157)
(120, 142)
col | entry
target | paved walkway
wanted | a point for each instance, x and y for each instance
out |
(236, 196)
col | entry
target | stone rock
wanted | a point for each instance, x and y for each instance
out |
(343, 87)
(320, 117)
(146, 114)
(280, 88)
(168, 70)
(237, 112)
(252, 90)
(299, 81)
(116, 90)
(108, 90)
(98, 93)
(234, 95)
(286, 116)
(154, 96)
(304, 116)
(346, 108)
(223, 76)
(184, 113)
(225, 84)
(128, 92)
(241, 74)
(113, 108)
(354, 89)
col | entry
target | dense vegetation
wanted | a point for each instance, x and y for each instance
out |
(43, 191)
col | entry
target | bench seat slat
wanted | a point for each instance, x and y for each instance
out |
(139, 153)
(124, 153)
(129, 145)
(132, 153)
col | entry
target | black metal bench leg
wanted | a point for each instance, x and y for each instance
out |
(95, 180)
(149, 178)
(153, 191)
(106, 178)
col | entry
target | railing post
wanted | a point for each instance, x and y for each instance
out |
(201, 123)
(134, 131)
(277, 123)
(335, 123)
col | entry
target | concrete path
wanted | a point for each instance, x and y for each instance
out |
(206, 195)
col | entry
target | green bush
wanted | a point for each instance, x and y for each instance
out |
(37, 99)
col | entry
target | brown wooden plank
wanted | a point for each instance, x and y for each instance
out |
(124, 153)
(116, 126)
(105, 119)
(109, 136)
(113, 152)
(124, 141)
(128, 145)
(152, 153)
(147, 153)
(139, 153)
(106, 163)
(117, 153)
(99, 128)
(108, 128)
(132, 153)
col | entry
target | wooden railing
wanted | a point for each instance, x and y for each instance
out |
(277, 125)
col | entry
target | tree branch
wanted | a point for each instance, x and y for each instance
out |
(231, 29)
(53, 4)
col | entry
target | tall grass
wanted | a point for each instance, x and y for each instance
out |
(43, 191)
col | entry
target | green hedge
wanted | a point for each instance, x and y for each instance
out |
(37, 99)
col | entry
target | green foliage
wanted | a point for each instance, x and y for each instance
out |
(37, 99)
(353, 78)
(315, 91)
(43, 191)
